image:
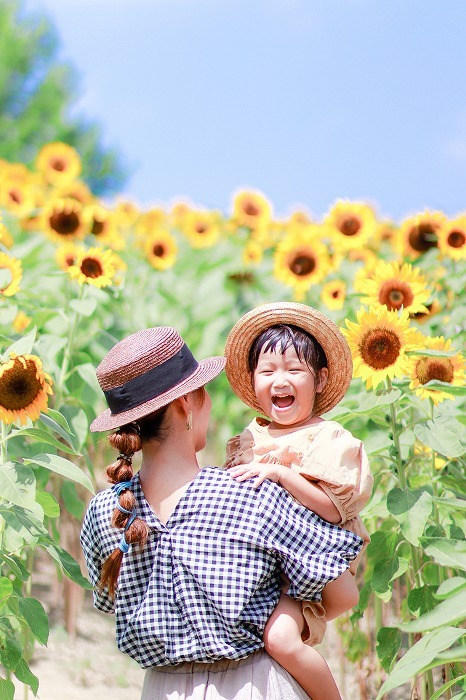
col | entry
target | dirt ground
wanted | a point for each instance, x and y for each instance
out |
(91, 666)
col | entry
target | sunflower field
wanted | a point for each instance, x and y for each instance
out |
(78, 274)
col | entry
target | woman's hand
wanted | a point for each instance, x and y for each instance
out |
(243, 472)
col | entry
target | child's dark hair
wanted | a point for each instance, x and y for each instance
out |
(129, 439)
(308, 349)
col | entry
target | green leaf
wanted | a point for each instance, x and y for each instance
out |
(18, 485)
(439, 693)
(6, 589)
(64, 467)
(58, 427)
(69, 565)
(7, 690)
(24, 674)
(48, 503)
(10, 648)
(16, 566)
(88, 375)
(419, 657)
(71, 499)
(432, 353)
(412, 510)
(450, 553)
(386, 571)
(449, 612)
(42, 436)
(36, 618)
(23, 346)
(451, 503)
(422, 599)
(443, 434)
(446, 387)
(375, 399)
(84, 307)
(388, 645)
(450, 586)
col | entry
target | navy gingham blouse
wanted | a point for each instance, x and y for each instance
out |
(205, 584)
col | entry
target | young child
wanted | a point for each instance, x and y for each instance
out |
(291, 363)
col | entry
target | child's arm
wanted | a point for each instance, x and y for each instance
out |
(309, 494)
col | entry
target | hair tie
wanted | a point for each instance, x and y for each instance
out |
(123, 544)
(127, 458)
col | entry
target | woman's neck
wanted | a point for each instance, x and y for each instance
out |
(167, 470)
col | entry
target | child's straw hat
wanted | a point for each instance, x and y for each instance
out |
(148, 370)
(252, 324)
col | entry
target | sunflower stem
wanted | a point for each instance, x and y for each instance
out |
(68, 353)
(4, 444)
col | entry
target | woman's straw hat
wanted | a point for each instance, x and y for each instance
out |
(148, 370)
(252, 324)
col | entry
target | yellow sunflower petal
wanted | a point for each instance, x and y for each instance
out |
(423, 369)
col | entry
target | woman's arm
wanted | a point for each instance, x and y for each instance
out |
(309, 494)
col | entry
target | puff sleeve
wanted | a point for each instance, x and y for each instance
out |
(338, 462)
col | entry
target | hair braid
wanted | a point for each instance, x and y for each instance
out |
(127, 441)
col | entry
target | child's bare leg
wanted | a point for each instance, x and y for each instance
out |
(282, 638)
(340, 595)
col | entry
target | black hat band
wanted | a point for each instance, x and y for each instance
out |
(153, 383)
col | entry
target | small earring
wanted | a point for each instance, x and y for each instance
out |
(189, 421)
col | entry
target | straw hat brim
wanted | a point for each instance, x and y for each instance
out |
(253, 323)
(206, 370)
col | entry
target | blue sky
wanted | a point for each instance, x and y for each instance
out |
(306, 100)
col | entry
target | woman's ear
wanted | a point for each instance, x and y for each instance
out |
(322, 379)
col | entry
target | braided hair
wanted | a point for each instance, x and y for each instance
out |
(128, 439)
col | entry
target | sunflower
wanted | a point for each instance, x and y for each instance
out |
(21, 322)
(161, 249)
(253, 253)
(24, 389)
(420, 233)
(63, 220)
(58, 163)
(301, 261)
(350, 225)
(94, 266)
(17, 191)
(379, 342)
(395, 286)
(151, 221)
(12, 275)
(179, 212)
(127, 213)
(452, 238)
(77, 189)
(67, 253)
(432, 308)
(102, 225)
(251, 209)
(202, 228)
(300, 217)
(333, 294)
(423, 369)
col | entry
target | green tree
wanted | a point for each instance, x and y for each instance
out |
(37, 92)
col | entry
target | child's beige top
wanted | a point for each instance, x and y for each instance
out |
(323, 452)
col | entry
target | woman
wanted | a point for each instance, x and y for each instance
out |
(189, 560)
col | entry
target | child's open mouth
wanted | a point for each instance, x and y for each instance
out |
(283, 401)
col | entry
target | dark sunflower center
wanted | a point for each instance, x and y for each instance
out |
(97, 227)
(422, 237)
(200, 228)
(158, 250)
(439, 368)
(350, 226)
(15, 196)
(456, 239)
(380, 348)
(335, 294)
(19, 386)
(251, 209)
(70, 260)
(395, 294)
(64, 223)
(91, 268)
(302, 265)
(58, 164)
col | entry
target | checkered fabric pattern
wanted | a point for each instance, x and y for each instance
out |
(206, 583)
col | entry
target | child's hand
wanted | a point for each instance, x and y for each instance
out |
(262, 471)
